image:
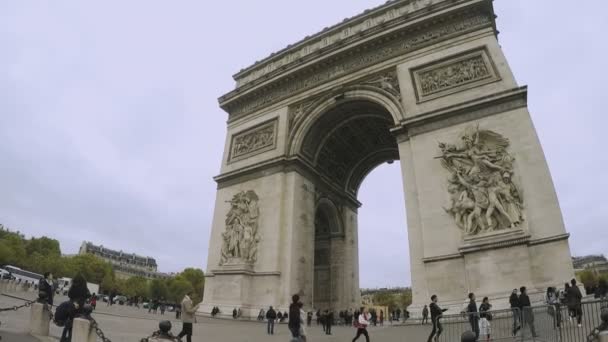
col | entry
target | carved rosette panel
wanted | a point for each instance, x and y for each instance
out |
(241, 237)
(255, 140)
(453, 75)
(483, 197)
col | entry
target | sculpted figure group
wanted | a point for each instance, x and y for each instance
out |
(483, 197)
(240, 240)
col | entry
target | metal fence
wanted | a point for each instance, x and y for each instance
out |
(546, 323)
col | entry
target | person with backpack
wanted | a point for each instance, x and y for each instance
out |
(78, 294)
(485, 328)
(271, 316)
(361, 323)
(294, 316)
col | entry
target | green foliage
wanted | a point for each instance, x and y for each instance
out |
(588, 278)
(158, 289)
(135, 287)
(178, 288)
(43, 254)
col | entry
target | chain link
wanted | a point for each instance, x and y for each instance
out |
(17, 307)
(98, 331)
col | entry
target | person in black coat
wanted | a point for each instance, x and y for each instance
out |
(436, 313)
(514, 302)
(526, 310)
(78, 294)
(473, 316)
(46, 285)
(575, 302)
(329, 322)
(271, 316)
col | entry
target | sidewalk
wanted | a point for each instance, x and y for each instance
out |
(10, 337)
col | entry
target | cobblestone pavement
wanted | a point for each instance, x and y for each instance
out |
(127, 324)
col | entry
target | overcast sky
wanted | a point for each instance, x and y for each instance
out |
(110, 129)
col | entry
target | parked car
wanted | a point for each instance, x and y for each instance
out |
(120, 300)
(146, 305)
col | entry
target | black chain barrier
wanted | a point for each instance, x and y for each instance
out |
(98, 331)
(17, 307)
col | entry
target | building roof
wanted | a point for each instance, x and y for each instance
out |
(120, 255)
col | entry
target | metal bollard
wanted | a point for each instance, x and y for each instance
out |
(82, 331)
(39, 319)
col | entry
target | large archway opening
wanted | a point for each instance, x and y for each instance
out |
(345, 143)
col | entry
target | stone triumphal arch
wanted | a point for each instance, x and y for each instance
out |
(423, 82)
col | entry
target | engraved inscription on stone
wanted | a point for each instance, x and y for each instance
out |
(453, 75)
(483, 197)
(255, 140)
(241, 238)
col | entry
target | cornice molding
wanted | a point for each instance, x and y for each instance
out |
(463, 112)
(245, 100)
(349, 31)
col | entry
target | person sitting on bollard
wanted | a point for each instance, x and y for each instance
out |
(46, 285)
(78, 294)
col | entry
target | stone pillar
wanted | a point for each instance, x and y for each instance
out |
(39, 320)
(603, 336)
(82, 331)
(3, 283)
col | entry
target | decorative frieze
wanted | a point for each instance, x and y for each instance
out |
(255, 140)
(398, 44)
(454, 74)
(338, 35)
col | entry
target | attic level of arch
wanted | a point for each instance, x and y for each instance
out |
(370, 47)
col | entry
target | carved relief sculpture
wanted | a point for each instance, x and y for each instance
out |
(387, 82)
(482, 195)
(257, 139)
(455, 74)
(241, 238)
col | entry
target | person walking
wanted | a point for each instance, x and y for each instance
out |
(163, 306)
(329, 321)
(271, 316)
(436, 313)
(234, 313)
(425, 314)
(515, 311)
(576, 298)
(485, 316)
(527, 314)
(309, 318)
(302, 326)
(45, 284)
(361, 324)
(381, 317)
(554, 307)
(473, 315)
(188, 312)
(93, 301)
(294, 316)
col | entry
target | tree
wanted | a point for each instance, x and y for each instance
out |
(384, 298)
(45, 246)
(588, 278)
(196, 278)
(135, 287)
(92, 268)
(404, 299)
(157, 289)
(178, 288)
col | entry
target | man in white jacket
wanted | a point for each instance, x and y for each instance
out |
(188, 312)
(361, 324)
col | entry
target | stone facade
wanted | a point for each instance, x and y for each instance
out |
(309, 123)
(125, 265)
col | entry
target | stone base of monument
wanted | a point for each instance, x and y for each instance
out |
(236, 292)
(39, 320)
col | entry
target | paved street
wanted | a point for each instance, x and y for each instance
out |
(127, 324)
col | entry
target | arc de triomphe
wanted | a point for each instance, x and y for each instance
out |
(420, 81)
